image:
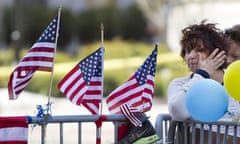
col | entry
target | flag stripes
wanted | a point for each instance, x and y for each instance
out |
(129, 113)
(39, 58)
(13, 130)
(131, 93)
(138, 90)
(74, 87)
(18, 82)
(83, 84)
(92, 106)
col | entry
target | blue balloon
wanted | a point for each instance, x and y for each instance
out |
(206, 100)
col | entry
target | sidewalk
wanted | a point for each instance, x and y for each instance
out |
(26, 105)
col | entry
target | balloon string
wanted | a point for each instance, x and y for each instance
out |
(235, 116)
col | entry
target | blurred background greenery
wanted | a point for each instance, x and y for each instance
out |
(121, 60)
(131, 28)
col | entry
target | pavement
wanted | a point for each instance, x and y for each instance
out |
(26, 105)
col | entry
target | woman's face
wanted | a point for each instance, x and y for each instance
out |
(192, 58)
(233, 53)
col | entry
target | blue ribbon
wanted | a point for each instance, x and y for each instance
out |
(42, 115)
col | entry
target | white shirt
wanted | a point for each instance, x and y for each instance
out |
(176, 100)
(177, 93)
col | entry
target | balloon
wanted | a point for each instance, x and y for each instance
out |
(206, 100)
(231, 80)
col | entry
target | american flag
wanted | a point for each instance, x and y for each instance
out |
(39, 57)
(83, 84)
(138, 91)
(13, 130)
(129, 111)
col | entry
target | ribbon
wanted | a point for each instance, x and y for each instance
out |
(100, 120)
(43, 114)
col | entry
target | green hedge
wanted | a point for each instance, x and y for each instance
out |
(40, 82)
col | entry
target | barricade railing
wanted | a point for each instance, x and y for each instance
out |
(47, 120)
(196, 132)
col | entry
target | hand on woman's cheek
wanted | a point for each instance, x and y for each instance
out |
(212, 62)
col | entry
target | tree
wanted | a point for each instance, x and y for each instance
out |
(157, 11)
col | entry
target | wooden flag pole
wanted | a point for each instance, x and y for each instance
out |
(45, 118)
(51, 77)
(98, 140)
(102, 45)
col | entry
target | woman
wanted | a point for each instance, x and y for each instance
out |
(203, 48)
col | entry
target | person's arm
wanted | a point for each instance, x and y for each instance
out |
(177, 90)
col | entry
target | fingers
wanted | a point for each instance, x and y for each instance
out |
(212, 62)
(218, 59)
(220, 55)
(213, 54)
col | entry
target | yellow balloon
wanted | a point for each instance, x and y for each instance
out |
(231, 80)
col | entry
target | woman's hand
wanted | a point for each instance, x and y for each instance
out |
(212, 62)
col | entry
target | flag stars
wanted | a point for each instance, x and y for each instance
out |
(90, 67)
(49, 34)
(148, 68)
(87, 71)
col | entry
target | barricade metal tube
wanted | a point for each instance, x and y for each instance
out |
(78, 118)
(61, 132)
(79, 132)
(74, 119)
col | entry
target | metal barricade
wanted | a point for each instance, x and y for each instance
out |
(196, 132)
(162, 125)
(165, 128)
(47, 120)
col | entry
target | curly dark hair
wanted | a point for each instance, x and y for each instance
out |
(233, 33)
(203, 37)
